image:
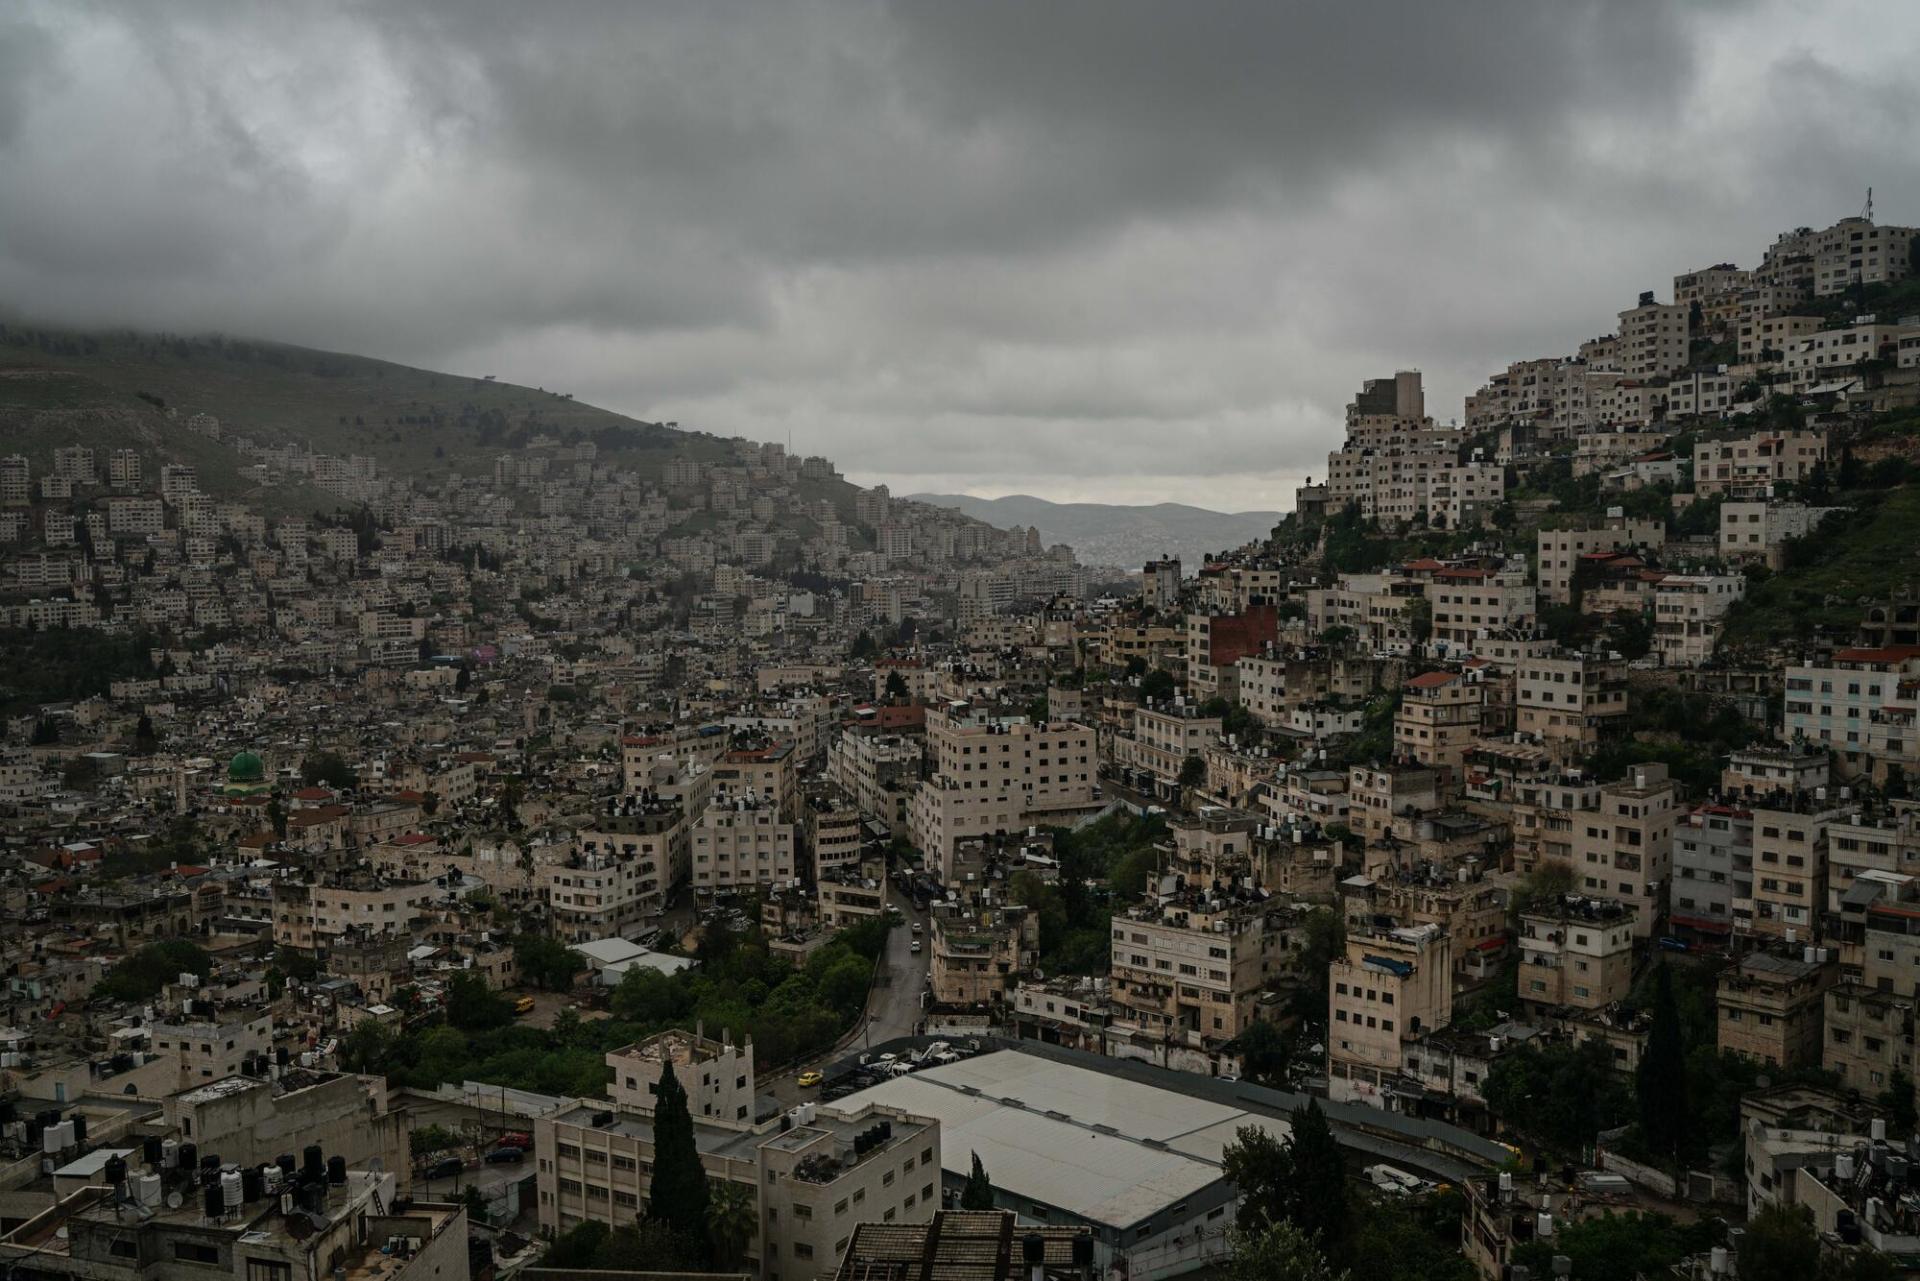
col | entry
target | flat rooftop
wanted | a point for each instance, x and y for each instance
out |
(1104, 1148)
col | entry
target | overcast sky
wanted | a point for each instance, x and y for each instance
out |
(1106, 250)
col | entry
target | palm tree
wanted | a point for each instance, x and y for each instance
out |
(730, 1222)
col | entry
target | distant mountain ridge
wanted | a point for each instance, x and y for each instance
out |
(1117, 534)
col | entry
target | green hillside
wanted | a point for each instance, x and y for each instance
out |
(114, 389)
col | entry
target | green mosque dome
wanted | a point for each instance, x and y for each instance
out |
(246, 767)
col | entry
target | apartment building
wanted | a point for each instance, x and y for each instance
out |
(1164, 736)
(994, 773)
(1389, 989)
(1712, 867)
(1624, 847)
(1689, 611)
(1465, 494)
(1829, 355)
(741, 841)
(1455, 896)
(1376, 795)
(1215, 642)
(812, 1177)
(210, 1041)
(1160, 584)
(1868, 1037)
(879, 770)
(1569, 702)
(1189, 971)
(833, 834)
(1439, 719)
(977, 954)
(1856, 251)
(1753, 463)
(1767, 337)
(1790, 862)
(850, 895)
(1835, 703)
(1653, 338)
(1770, 1007)
(757, 765)
(1559, 550)
(1469, 604)
(620, 873)
(1759, 529)
(1576, 953)
(717, 1075)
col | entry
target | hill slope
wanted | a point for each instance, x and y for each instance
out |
(1114, 534)
(113, 389)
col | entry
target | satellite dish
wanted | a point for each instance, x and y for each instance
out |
(299, 1226)
(175, 1200)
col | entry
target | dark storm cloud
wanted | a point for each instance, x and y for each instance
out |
(1074, 248)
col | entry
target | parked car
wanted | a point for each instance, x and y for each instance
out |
(506, 1156)
(516, 1139)
(809, 1078)
(523, 1006)
(446, 1167)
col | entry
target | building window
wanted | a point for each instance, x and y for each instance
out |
(195, 1252)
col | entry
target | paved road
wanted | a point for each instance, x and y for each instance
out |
(894, 1005)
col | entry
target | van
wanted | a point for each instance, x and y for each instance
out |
(523, 1006)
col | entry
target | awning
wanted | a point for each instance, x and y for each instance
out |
(1707, 923)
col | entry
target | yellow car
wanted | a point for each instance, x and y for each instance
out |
(809, 1078)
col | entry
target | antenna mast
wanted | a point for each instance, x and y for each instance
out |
(1868, 215)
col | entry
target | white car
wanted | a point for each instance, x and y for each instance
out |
(914, 947)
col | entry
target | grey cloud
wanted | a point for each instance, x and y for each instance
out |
(1063, 247)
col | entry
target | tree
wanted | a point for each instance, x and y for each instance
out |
(731, 1217)
(546, 962)
(1662, 1079)
(896, 685)
(1301, 1180)
(1897, 1102)
(578, 1247)
(1618, 1247)
(1281, 1252)
(1551, 880)
(141, 976)
(476, 1204)
(277, 817)
(863, 646)
(326, 767)
(145, 740)
(464, 681)
(1157, 685)
(1780, 1245)
(472, 1006)
(1193, 772)
(679, 1194)
(978, 1193)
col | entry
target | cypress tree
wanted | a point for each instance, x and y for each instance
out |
(678, 1195)
(978, 1194)
(1662, 1080)
(1318, 1193)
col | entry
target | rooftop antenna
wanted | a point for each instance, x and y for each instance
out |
(1868, 213)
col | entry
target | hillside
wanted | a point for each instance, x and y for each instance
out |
(114, 389)
(1114, 534)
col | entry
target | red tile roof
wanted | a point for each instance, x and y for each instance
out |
(1433, 680)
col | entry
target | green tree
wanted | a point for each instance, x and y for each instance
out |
(1897, 1102)
(1780, 1245)
(140, 977)
(329, 768)
(731, 1218)
(476, 1204)
(277, 817)
(1301, 1180)
(546, 962)
(1193, 772)
(1279, 1252)
(145, 740)
(578, 1247)
(1157, 685)
(978, 1192)
(896, 685)
(1618, 1247)
(1665, 1118)
(863, 646)
(472, 1006)
(678, 1196)
(1559, 1094)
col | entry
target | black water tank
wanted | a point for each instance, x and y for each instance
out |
(210, 1163)
(1083, 1250)
(153, 1150)
(312, 1197)
(189, 1156)
(336, 1170)
(252, 1185)
(313, 1160)
(282, 1056)
(116, 1169)
(286, 1163)
(214, 1202)
(1033, 1249)
(79, 1128)
(8, 1114)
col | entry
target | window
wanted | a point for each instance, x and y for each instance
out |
(197, 1252)
(131, 1250)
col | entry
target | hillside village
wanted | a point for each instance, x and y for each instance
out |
(1514, 857)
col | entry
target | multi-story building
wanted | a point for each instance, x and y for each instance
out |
(1765, 338)
(1834, 703)
(880, 770)
(1624, 847)
(1189, 970)
(124, 471)
(978, 954)
(1653, 338)
(1439, 719)
(1854, 251)
(1164, 736)
(1160, 584)
(1758, 530)
(741, 841)
(1790, 862)
(1750, 465)
(1868, 1037)
(1560, 550)
(717, 1075)
(1828, 355)
(1770, 1007)
(1569, 702)
(621, 872)
(996, 773)
(1576, 953)
(1389, 989)
(1689, 611)
(1712, 867)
